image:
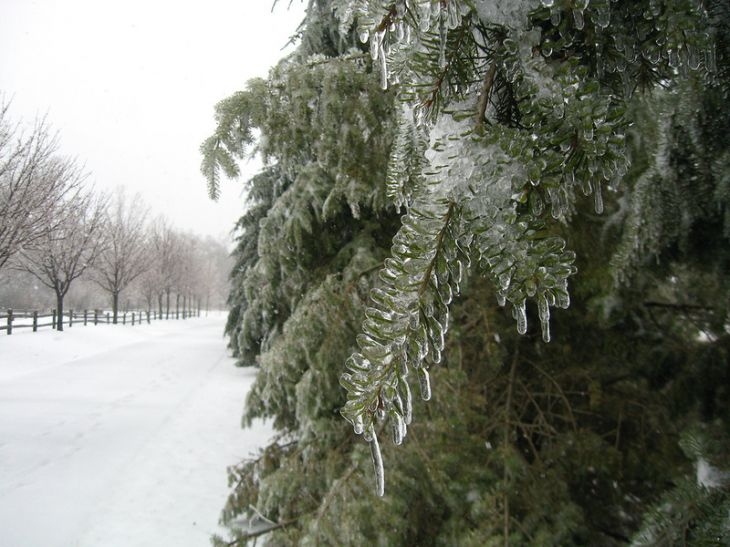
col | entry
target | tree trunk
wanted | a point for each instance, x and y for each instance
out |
(168, 304)
(115, 306)
(159, 303)
(59, 311)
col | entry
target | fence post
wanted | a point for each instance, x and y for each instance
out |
(35, 320)
(86, 314)
(124, 318)
(96, 317)
(53, 321)
(107, 318)
(10, 321)
(148, 317)
(132, 318)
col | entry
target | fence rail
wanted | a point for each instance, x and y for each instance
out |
(12, 319)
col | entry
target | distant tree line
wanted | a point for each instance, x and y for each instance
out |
(56, 228)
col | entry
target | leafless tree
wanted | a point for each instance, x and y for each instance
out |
(69, 242)
(34, 184)
(164, 274)
(124, 256)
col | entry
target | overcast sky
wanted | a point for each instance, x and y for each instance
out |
(130, 87)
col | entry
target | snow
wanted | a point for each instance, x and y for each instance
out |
(710, 477)
(119, 435)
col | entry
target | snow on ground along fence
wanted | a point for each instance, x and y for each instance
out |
(120, 437)
(11, 319)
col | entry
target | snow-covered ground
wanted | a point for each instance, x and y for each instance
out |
(119, 436)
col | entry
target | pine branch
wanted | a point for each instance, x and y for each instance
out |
(485, 95)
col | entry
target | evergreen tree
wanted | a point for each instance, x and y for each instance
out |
(503, 127)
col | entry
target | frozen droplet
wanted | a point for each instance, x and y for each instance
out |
(581, 4)
(504, 281)
(555, 17)
(578, 19)
(598, 199)
(364, 36)
(673, 58)
(693, 58)
(424, 20)
(586, 187)
(358, 426)
(548, 3)
(400, 31)
(425, 382)
(501, 299)
(521, 316)
(602, 16)
(377, 457)
(547, 48)
(711, 59)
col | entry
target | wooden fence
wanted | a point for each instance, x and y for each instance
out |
(33, 319)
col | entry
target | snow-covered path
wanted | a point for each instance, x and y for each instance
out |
(119, 436)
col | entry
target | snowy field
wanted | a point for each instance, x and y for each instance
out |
(119, 436)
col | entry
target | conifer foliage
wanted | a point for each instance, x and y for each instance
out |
(430, 163)
(524, 104)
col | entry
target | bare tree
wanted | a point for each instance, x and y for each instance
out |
(34, 184)
(124, 256)
(69, 242)
(163, 276)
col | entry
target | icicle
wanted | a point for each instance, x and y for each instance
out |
(383, 69)
(408, 403)
(398, 429)
(425, 383)
(521, 316)
(375, 45)
(443, 37)
(501, 299)
(454, 17)
(598, 199)
(544, 313)
(377, 464)
(545, 325)
(424, 22)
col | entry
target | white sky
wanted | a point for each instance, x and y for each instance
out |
(130, 87)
